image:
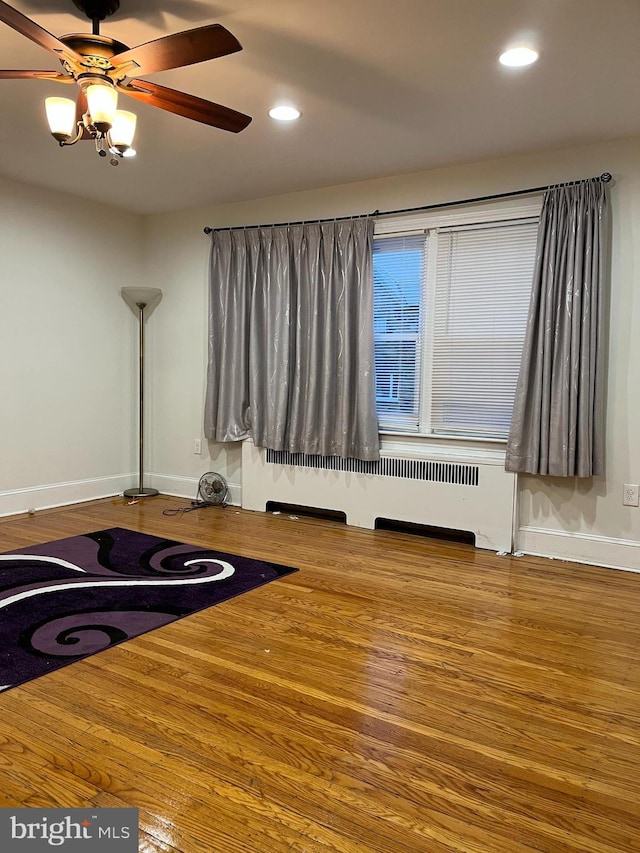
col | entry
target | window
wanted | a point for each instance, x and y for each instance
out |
(399, 266)
(451, 299)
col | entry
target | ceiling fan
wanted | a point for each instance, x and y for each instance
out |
(102, 67)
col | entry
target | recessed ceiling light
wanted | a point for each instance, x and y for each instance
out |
(285, 113)
(518, 56)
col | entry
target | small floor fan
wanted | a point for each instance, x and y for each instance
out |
(212, 490)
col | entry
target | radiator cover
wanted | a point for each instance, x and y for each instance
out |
(476, 496)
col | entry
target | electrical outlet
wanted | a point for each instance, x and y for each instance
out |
(197, 445)
(630, 495)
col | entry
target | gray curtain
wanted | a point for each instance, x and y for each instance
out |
(291, 358)
(558, 420)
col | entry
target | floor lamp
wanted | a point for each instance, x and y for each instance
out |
(142, 301)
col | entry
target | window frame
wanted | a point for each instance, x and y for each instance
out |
(429, 223)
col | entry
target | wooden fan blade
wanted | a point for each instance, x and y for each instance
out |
(19, 22)
(178, 50)
(188, 106)
(36, 75)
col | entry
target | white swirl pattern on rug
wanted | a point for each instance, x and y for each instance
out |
(54, 586)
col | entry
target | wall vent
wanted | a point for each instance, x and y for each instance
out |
(407, 469)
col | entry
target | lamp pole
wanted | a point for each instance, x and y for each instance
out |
(137, 296)
(141, 491)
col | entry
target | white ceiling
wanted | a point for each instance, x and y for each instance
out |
(385, 86)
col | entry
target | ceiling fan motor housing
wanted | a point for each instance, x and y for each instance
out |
(97, 9)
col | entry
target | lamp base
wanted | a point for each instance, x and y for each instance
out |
(140, 493)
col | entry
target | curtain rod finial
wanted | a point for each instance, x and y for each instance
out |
(605, 177)
(207, 230)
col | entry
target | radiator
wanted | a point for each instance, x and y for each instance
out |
(475, 496)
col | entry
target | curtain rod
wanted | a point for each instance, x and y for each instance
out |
(605, 177)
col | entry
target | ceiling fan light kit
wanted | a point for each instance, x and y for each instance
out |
(103, 67)
(111, 128)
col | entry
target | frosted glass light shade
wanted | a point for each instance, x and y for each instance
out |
(147, 296)
(61, 115)
(124, 127)
(102, 101)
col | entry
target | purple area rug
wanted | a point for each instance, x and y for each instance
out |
(65, 600)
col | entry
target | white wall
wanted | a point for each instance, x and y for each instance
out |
(573, 519)
(67, 348)
(68, 354)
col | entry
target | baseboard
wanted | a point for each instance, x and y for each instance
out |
(587, 548)
(52, 495)
(186, 487)
(17, 501)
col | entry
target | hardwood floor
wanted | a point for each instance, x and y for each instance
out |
(397, 694)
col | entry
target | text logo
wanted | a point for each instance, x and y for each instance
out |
(37, 830)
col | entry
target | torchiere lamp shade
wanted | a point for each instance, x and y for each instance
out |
(148, 296)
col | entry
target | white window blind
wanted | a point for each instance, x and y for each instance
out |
(451, 308)
(483, 286)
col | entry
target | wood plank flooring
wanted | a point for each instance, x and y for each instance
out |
(398, 694)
